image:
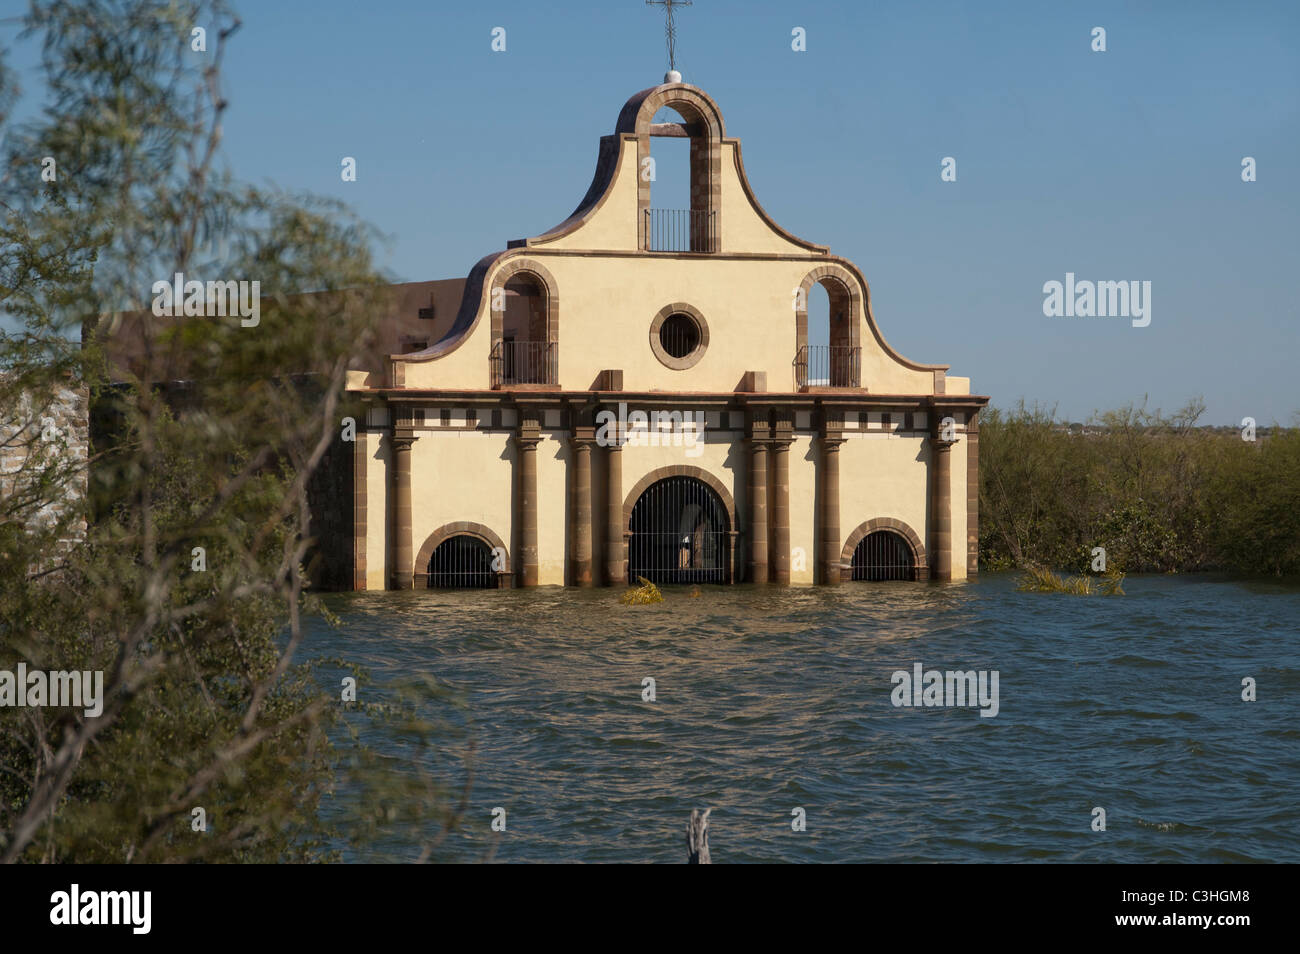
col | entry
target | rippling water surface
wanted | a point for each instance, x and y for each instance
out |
(770, 699)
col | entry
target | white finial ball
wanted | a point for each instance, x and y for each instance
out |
(672, 76)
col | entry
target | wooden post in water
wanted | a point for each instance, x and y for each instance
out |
(697, 838)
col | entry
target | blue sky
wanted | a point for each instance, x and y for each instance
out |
(1123, 165)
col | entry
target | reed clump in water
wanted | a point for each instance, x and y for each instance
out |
(1038, 579)
(647, 592)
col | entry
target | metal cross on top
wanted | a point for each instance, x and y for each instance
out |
(668, 6)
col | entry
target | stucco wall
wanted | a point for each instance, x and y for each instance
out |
(607, 303)
(883, 475)
(472, 475)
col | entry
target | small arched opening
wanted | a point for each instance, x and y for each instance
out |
(525, 326)
(525, 350)
(883, 555)
(828, 354)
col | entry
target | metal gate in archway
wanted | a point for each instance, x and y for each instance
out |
(883, 555)
(680, 533)
(462, 562)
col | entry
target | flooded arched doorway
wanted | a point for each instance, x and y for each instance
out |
(680, 533)
(462, 562)
(883, 555)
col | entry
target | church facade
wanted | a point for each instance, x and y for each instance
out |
(634, 393)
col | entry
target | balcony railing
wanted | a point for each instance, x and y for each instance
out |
(679, 230)
(828, 366)
(524, 362)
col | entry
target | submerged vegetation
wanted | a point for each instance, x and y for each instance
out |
(1038, 579)
(647, 592)
(1159, 493)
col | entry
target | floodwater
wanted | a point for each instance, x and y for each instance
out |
(771, 700)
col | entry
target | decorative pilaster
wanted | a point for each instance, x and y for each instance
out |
(615, 548)
(527, 439)
(758, 441)
(940, 544)
(402, 571)
(360, 508)
(580, 542)
(783, 437)
(972, 495)
(831, 439)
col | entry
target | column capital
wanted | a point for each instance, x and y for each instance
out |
(402, 439)
(583, 437)
(937, 440)
(528, 434)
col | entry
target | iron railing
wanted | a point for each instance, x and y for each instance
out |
(883, 555)
(828, 366)
(679, 534)
(679, 335)
(462, 563)
(679, 230)
(524, 362)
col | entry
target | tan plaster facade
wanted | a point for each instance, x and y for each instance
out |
(494, 423)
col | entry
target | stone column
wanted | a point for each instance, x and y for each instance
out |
(615, 551)
(580, 543)
(781, 508)
(832, 438)
(758, 441)
(402, 571)
(526, 500)
(940, 543)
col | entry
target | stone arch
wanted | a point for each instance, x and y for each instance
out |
(515, 268)
(845, 322)
(530, 268)
(704, 126)
(459, 528)
(678, 470)
(695, 105)
(838, 282)
(919, 561)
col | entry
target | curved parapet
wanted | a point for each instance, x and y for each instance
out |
(731, 265)
(597, 193)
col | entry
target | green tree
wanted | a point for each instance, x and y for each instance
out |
(207, 701)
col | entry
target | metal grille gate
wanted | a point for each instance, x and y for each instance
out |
(883, 555)
(462, 563)
(679, 533)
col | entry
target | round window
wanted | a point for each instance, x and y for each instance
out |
(679, 336)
